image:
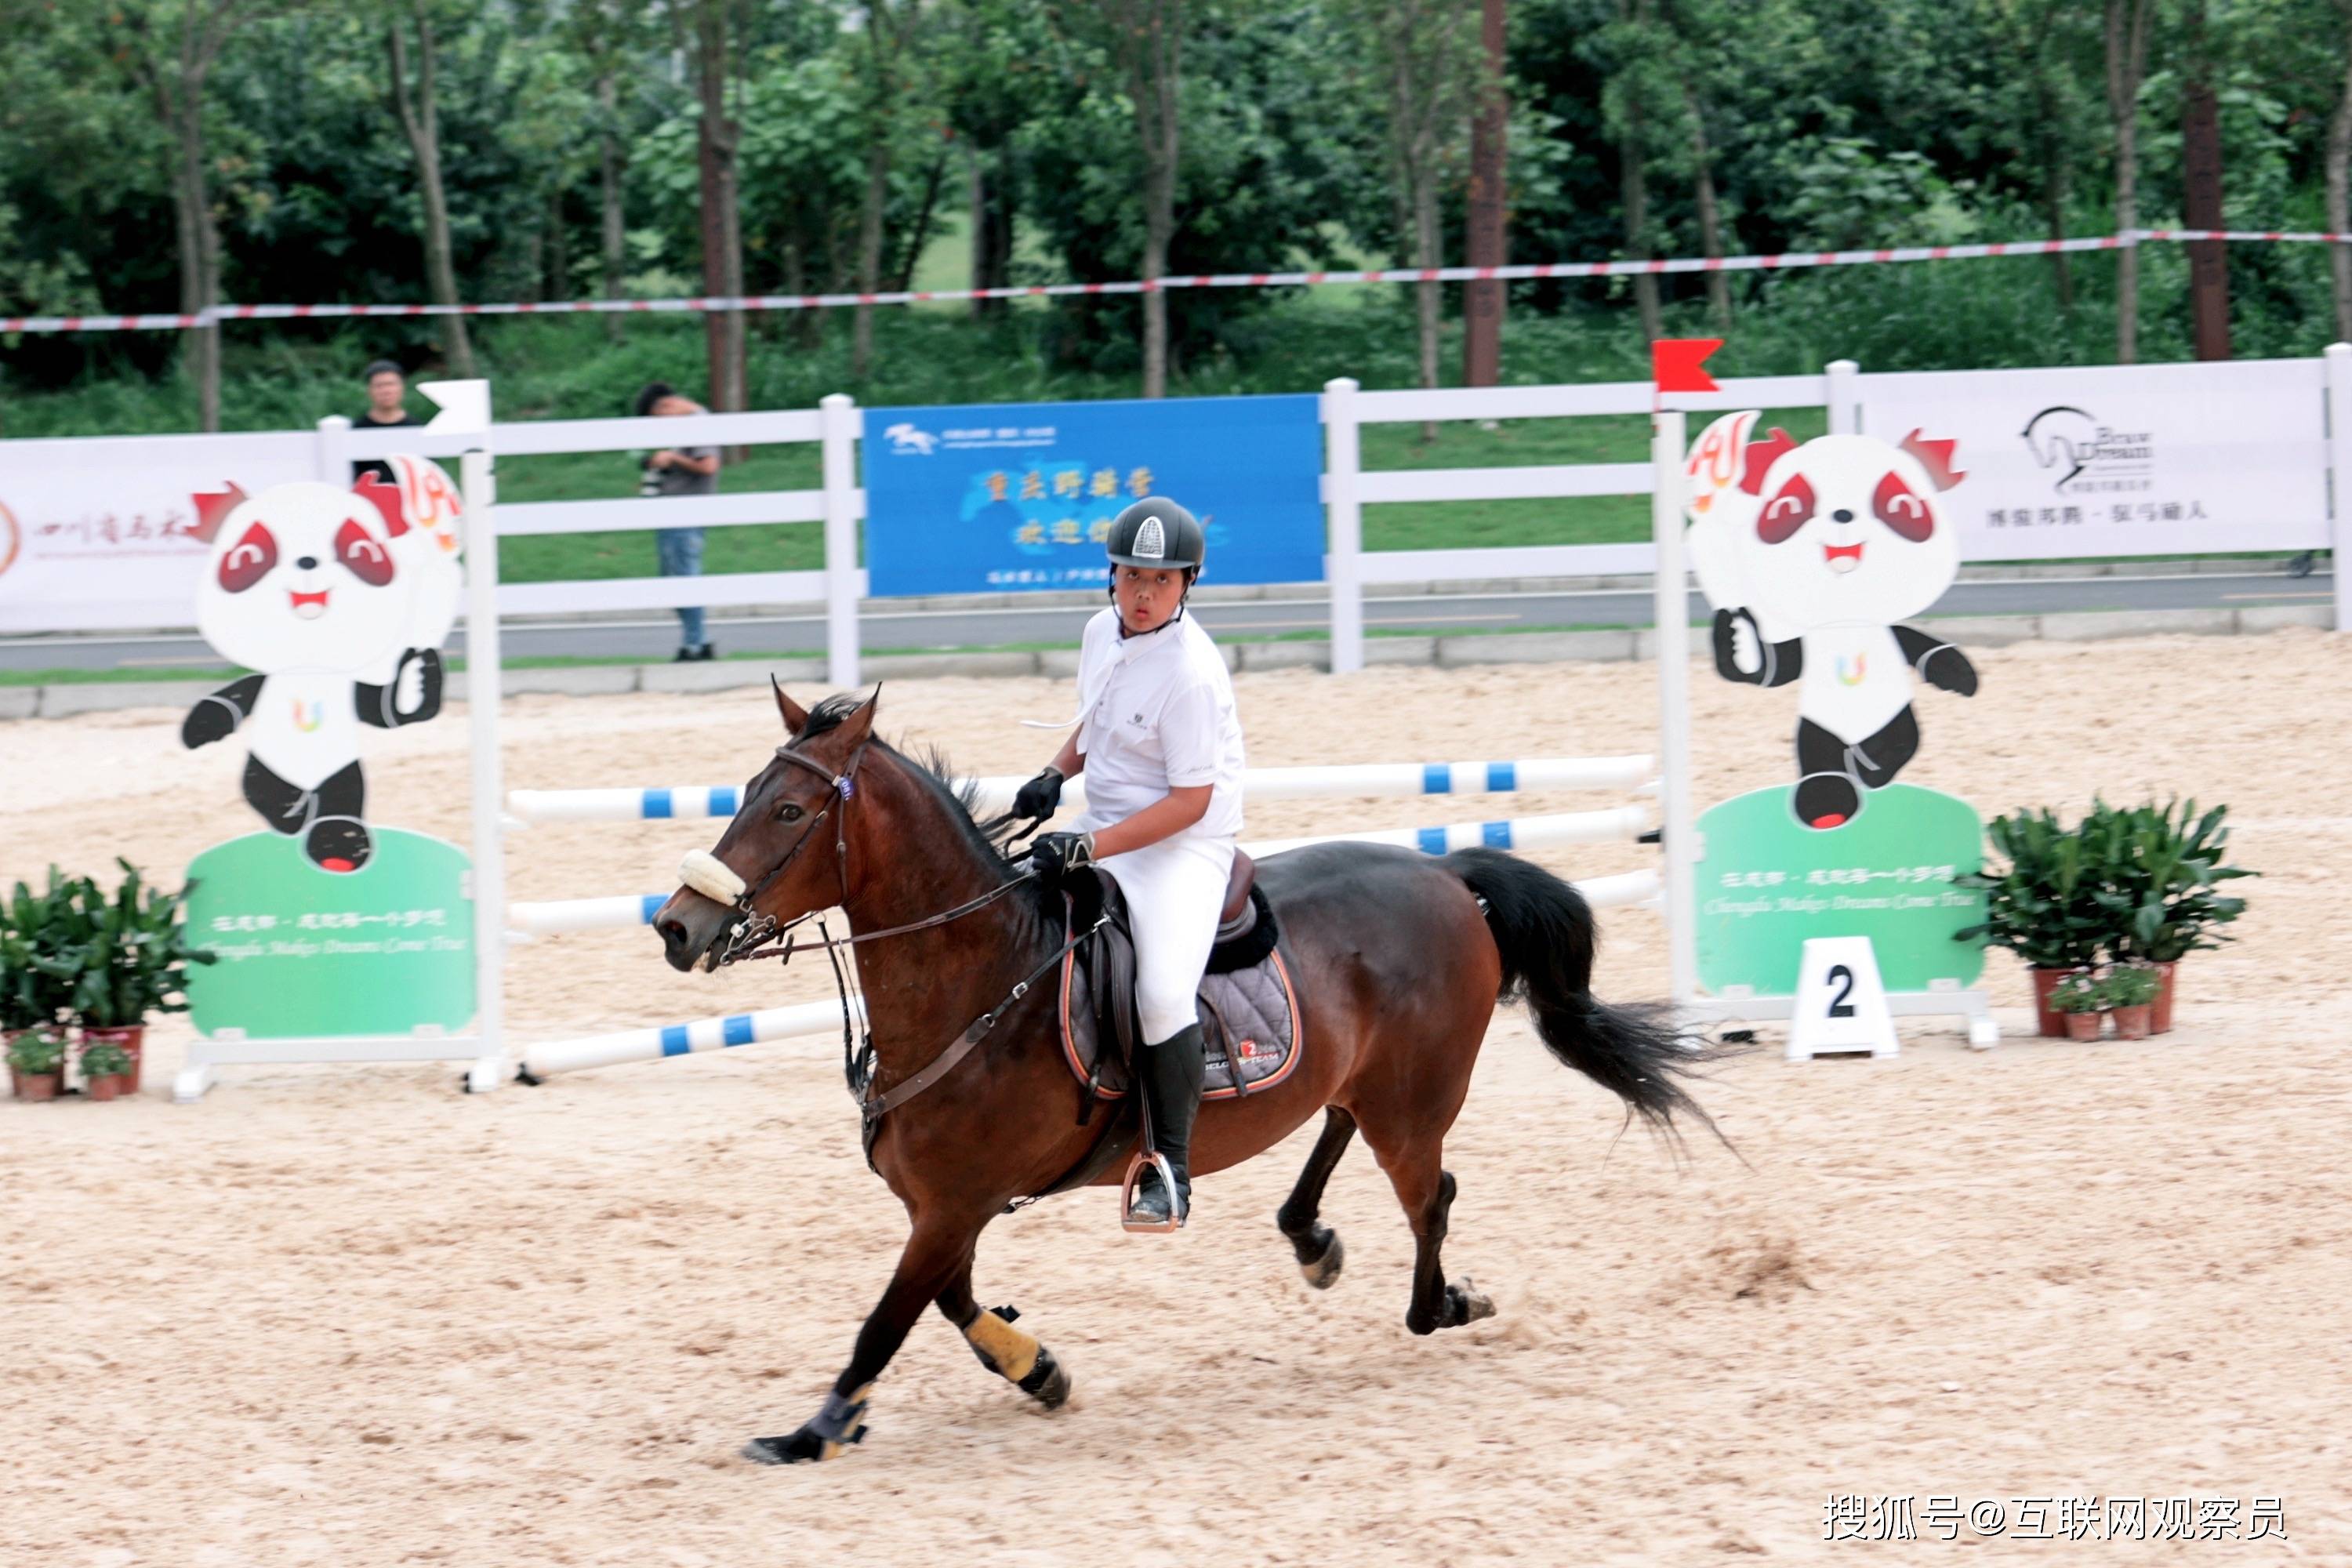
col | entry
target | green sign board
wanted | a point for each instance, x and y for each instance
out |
(385, 950)
(1767, 882)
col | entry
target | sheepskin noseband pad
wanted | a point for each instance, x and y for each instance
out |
(708, 875)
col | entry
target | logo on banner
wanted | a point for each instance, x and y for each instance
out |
(12, 538)
(905, 439)
(2070, 439)
(1150, 540)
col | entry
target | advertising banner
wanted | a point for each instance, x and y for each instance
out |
(100, 534)
(2124, 459)
(994, 497)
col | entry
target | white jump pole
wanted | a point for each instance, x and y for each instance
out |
(2338, 366)
(556, 917)
(839, 424)
(1671, 614)
(1365, 780)
(682, 1039)
(478, 480)
(1343, 571)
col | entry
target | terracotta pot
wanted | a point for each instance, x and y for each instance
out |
(2160, 1011)
(2084, 1026)
(130, 1039)
(105, 1087)
(35, 1085)
(2046, 1018)
(2132, 1023)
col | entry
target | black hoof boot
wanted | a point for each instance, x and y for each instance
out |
(834, 1428)
(338, 844)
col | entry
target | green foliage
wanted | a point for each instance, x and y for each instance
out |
(104, 1059)
(2081, 992)
(2130, 986)
(2164, 865)
(129, 951)
(36, 1052)
(2044, 906)
(39, 957)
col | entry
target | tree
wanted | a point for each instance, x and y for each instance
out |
(2129, 23)
(1637, 48)
(1483, 300)
(170, 49)
(1145, 41)
(2338, 180)
(1428, 71)
(420, 121)
(890, 27)
(705, 32)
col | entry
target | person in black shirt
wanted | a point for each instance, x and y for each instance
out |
(387, 409)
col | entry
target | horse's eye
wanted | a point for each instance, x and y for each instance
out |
(790, 814)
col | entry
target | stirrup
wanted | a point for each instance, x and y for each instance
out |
(1176, 1207)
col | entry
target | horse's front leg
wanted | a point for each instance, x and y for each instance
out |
(937, 1252)
(1010, 1354)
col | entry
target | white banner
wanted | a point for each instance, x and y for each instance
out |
(97, 534)
(2172, 459)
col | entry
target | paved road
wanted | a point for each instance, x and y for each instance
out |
(656, 636)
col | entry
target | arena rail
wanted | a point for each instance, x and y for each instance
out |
(1366, 780)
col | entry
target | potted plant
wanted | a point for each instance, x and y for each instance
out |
(2163, 898)
(36, 1063)
(134, 958)
(38, 961)
(2080, 998)
(2130, 991)
(106, 1070)
(2043, 906)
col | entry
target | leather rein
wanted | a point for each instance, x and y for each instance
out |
(756, 936)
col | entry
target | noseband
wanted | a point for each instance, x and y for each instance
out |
(754, 927)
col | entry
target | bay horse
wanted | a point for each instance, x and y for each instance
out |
(1398, 960)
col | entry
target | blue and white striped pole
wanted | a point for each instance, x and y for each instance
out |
(683, 1039)
(1361, 780)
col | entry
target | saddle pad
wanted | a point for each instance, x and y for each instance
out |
(1249, 1028)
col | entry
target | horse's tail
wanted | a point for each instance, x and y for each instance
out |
(1544, 931)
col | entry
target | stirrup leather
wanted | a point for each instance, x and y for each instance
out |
(1176, 1205)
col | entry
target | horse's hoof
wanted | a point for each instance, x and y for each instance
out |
(803, 1448)
(1324, 1272)
(1465, 1304)
(1048, 1382)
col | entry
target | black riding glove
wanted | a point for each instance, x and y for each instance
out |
(1038, 797)
(1057, 854)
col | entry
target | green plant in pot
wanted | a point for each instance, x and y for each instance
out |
(2163, 901)
(2130, 991)
(2080, 998)
(105, 1068)
(2044, 905)
(36, 1063)
(40, 955)
(134, 958)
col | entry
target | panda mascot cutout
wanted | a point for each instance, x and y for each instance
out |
(1810, 555)
(339, 601)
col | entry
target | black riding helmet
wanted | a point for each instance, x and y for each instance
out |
(1156, 531)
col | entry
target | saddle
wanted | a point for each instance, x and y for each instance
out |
(1249, 1010)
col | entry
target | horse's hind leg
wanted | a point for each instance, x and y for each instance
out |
(1426, 1191)
(1003, 1349)
(1316, 1245)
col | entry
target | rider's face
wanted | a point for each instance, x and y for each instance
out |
(1146, 597)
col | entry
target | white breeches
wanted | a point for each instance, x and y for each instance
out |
(1175, 890)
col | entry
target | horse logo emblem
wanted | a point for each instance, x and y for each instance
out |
(905, 439)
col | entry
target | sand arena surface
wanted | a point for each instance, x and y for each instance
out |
(346, 1316)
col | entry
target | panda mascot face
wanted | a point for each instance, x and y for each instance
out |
(306, 576)
(1846, 530)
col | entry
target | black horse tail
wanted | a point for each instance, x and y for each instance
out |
(1544, 931)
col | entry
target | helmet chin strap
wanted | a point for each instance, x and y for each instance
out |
(1191, 576)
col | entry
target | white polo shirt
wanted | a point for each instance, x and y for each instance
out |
(1156, 713)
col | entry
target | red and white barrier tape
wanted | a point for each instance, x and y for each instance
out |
(1201, 280)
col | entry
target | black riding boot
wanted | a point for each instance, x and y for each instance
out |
(1171, 1073)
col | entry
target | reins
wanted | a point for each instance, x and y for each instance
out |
(756, 936)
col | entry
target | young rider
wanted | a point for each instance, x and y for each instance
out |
(1160, 744)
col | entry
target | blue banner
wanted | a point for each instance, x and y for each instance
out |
(994, 496)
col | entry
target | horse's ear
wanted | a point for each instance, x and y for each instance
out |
(859, 726)
(796, 717)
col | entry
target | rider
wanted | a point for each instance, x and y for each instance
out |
(1160, 744)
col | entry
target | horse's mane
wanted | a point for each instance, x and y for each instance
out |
(932, 768)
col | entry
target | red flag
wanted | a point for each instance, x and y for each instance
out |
(1679, 364)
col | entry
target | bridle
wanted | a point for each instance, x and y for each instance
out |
(756, 935)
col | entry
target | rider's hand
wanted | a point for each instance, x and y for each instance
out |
(1057, 854)
(1039, 797)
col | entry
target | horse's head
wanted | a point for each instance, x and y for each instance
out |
(782, 857)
